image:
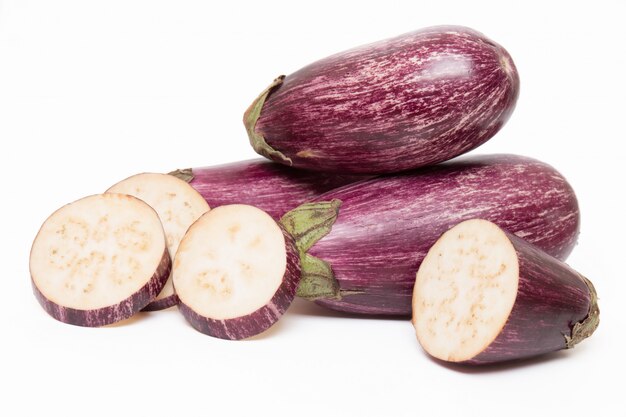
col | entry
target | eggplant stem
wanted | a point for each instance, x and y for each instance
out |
(250, 118)
(183, 174)
(308, 223)
(585, 328)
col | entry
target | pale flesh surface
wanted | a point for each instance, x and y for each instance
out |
(465, 290)
(230, 263)
(175, 201)
(97, 251)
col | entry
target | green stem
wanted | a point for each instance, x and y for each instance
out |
(308, 223)
(250, 118)
(183, 174)
(584, 329)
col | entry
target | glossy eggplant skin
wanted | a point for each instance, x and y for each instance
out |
(271, 187)
(402, 103)
(385, 226)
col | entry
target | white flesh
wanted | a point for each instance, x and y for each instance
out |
(177, 203)
(230, 263)
(465, 290)
(97, 251)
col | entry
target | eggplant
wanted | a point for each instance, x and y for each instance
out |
(369, 238)
(178, 206)
(402, 103)
(483, 295)
(235, 272)
(99, 260)
(270, 187)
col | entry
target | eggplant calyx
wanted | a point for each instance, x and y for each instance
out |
(183, 174)
(250, 118)
(308, 223)
(317, 279)
(585, 328)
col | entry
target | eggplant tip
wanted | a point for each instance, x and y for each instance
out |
(585, 328)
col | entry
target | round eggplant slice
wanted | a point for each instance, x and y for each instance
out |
(235, 272)
(178, 206)
(99, 260)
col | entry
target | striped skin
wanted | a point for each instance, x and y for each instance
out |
(551, 298)
(415, 100)
(110, 314)
(261, 319)
(385, 226)
(273, 188)
(162, 304)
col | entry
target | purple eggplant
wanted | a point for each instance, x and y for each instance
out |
(273, 188)
(99, 260)
(363, 256)
(406, 102)
(483, 295)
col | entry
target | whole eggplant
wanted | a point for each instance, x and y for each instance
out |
(406, 102)
(273, 188)
(363, 243)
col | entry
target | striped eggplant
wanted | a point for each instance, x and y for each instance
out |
(370, 237)
(483, 295)
(402, 103)
(273, 188)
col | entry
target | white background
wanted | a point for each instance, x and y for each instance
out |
(94, 91)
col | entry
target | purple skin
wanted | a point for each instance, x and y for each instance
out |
(385, 226)
(114, 313)
(260, 320)
(551, 299)
(162, 304)
(273, 188)
(402, 103)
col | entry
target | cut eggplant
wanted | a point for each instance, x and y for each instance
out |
(99, 260)
(235, 272)
(483, 295)
(178, 205)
